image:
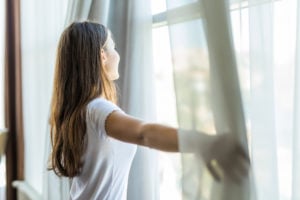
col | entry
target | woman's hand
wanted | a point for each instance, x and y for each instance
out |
(222, 154)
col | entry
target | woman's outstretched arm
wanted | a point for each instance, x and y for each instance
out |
(219, 152)
(129, 129)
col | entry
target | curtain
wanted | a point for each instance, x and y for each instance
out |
(295, 193)
(13, 98)
(42, 23)
(133, 34)
(130, 22)
(266, 35)
(207, 92)
(265, 50)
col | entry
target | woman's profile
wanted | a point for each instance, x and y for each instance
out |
(94, 141)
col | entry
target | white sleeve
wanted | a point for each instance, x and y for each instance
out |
(98, 111)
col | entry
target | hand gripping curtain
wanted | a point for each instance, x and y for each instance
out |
(226, 106)
(225, 92)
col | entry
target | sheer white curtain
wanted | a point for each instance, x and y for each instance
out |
(94, 10)
(225, 90)
(42, 23)
(207, 90)
(265, 39)
(131, 25)
(266, 47)
(296, 121)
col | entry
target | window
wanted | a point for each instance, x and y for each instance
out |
(186, 62)
(186, 15)
(169, 163)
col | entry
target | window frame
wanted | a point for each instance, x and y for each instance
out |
(193, 11)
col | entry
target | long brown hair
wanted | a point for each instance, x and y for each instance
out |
(79, 78)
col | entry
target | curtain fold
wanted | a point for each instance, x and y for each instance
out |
(93, 10)
(225, 91)
(77, 10)
(261, 64)
(13, 98)
(267, 56)
(295, 193)
(132, 29)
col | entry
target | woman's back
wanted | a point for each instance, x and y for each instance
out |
(106, 160)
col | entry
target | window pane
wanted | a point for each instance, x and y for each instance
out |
(191, 72)
(169, 163)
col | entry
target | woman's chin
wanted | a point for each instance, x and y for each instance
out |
(116, 77)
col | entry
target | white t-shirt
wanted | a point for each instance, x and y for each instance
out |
(107, 161)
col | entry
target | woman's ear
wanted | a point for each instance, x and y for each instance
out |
(103, 56)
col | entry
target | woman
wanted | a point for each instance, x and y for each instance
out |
(94, 141)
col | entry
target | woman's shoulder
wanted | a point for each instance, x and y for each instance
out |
(99, 101)
(98, 110)
(96, 100)
(101, 105)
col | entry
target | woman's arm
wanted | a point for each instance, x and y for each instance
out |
(129, 129)
(222, 154)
